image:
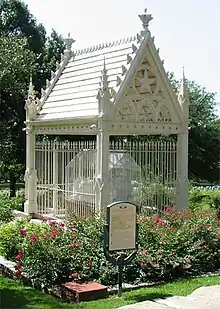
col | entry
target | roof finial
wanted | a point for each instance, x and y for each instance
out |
(145, 18)
(104, 78)
(32, 102)
(183, 96)
(183, 91)
(68, 42)
(103, 95)
(183, 72)
(31, 87)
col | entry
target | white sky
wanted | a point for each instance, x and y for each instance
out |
(186, 31)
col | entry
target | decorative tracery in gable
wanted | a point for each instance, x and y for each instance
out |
(147, 97)
(146, 112)
(164, 114)
(125, 113)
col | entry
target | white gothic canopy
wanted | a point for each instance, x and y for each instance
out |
(115, 88)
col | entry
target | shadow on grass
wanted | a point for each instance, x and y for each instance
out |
(31, 299)
(148, 296)
(23, 299)
(12, 299)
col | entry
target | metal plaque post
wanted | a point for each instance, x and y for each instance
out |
(121, 234)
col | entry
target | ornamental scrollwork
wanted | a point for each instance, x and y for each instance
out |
(164, 114)
(32, 107)
(125, 113)
(146, 112)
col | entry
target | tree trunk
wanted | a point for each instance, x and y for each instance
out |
(12, 185)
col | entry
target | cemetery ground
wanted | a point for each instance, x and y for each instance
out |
(14, 294)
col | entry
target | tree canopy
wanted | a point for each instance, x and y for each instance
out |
(204, 135)
(16, 63)
(25, 50)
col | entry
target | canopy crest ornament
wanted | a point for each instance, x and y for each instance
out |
(145, 18)
(68, 42)
(32, 102)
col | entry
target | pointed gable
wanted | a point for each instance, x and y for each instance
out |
(147, 94)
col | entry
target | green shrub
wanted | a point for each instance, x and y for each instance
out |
(62, 254)
(10, 239)
(204, 199)
(13, 234)
(172, 246)
(215, 196)
(7, 205)
(179, 244)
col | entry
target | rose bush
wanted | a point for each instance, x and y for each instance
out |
(54, 254)
(173, 245)
(178, 244)
(13, 235)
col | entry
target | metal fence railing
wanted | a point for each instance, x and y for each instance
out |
(140, 171)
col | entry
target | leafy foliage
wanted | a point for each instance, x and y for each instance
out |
(179, 244)
(204, 135)
(12, 236)
(16, 62)
(24, 49)
(7, 205)
(205, 200)
(171, 246)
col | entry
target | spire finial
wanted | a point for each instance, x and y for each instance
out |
(104, 77)
(183, 96)
(32, 103)
(183, 72)
(145, 18)
(183, 86)
(31, 87)
(69, 42)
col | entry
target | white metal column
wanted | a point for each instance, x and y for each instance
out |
(30, 205)
(55, 179)
(102, 193)
(182, 172)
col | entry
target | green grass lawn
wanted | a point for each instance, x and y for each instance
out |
(13, 295)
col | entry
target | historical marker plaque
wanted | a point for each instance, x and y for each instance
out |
(121, 233)
(122, 217)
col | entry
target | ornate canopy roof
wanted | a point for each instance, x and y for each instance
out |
(123, 82)
(75, 93)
